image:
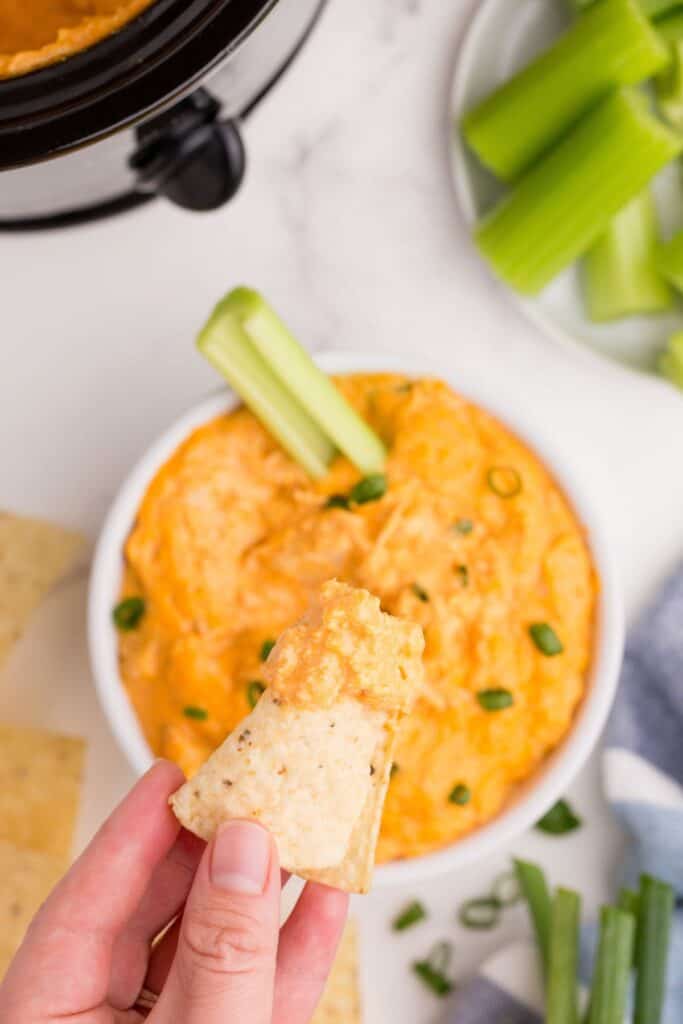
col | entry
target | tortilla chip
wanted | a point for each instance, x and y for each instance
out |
(26, 879)
(33, 555)
(40, 782)
(341, 1003)
(316, 776)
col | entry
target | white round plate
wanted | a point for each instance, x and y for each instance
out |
(503, 36)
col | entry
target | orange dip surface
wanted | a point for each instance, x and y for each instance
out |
(34, 33)
(473, 541)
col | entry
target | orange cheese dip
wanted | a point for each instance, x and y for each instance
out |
(473, 541)
(34, 33)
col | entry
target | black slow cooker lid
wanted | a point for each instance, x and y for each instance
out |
(150, 62)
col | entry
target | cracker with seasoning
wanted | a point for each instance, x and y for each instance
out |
(312, 761)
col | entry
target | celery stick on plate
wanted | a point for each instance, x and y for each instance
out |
(563, 205)
(620, 276)
(612, 44)
(612, 967)
(562, 990)
(277, 379)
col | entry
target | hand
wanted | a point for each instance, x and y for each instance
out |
(224, 960)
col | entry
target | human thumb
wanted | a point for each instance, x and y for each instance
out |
(224, 968)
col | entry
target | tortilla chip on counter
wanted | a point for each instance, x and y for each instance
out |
(313, 759)
(40, 782)
(33, 556)
(26, 879)
(341, 1001)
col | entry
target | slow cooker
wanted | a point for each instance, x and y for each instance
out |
(152, 110)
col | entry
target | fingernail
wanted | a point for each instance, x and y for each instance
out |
(240, 858)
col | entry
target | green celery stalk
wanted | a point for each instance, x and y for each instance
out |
(655, 909)
(612, 967)
(563, 205)
(225, 344)
(308, 385)
(534, 889)
(562, 1006)
(612, 44)
(620, 277)
(670, 362)
(670, 261)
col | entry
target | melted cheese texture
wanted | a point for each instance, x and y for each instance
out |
(233, 540)
(34, 33)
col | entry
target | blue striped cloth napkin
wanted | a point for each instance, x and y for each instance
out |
(643, 776)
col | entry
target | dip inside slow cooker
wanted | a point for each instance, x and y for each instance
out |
(34, 33)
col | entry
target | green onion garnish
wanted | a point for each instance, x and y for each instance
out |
(254, 691)
(460, 795)
(563, 954)
(128, 613)
(337, 501)
(463, 572)
(370, 488)
(546, 639)
(506, 889)
(480, 914)
(199, 714)
(409, 916)
(463, 526)
(534, 888)
(420, 592)
(504, 481)
(655, 909)
(495, 700)
(613, 968)
(266, 648)
(559, 820)
(432, 971)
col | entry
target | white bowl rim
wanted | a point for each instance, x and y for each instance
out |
(562, 765)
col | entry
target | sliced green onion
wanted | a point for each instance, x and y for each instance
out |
(495, 700)
(480, 914)
(504, 481)
(612, 967)
(308, 386)
(562, 1005)
(266, 648)
(613, 44)
(370, 488)
(198, 714)
(337, 501)
(655, 908)
(506, 889)
(409, 916)
(420, 592)
(460, 795)
(432, 971)
(559, 820)
(670, 362)
(620, 277)
(546, 639)
(563, 205)
(255, 689)
(463, 526)
(534, 888)
(464, 574)
(129, 613)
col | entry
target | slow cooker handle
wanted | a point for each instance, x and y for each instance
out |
(189, 155)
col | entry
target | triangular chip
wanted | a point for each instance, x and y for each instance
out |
(26, 878)
(341, 1001)
(312, 761)
(33, 556)
(40, 783)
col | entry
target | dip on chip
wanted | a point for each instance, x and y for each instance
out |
(312, 761)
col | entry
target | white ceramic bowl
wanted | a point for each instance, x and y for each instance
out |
(539, 792)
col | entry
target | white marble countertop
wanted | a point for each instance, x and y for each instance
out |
(348, 224)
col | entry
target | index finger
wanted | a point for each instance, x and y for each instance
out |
(68, 949)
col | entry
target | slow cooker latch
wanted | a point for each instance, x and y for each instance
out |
(190, 155)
